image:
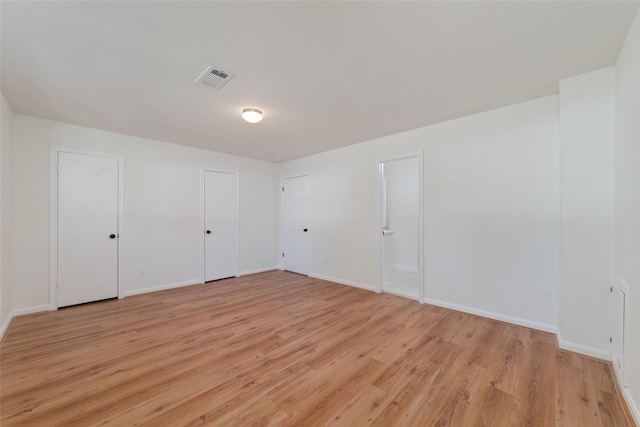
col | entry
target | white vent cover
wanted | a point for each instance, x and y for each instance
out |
(214, 78)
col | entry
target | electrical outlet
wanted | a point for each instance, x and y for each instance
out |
(141, 272)
(546, 295)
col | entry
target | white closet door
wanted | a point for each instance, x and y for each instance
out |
(87, 250)
(295, 225)
(220, 225)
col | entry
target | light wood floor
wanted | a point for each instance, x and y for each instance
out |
(278, 348)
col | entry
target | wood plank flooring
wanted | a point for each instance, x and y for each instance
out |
(281, 349)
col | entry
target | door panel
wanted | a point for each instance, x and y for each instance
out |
(87, 218)
(220, 225)
(295, 224)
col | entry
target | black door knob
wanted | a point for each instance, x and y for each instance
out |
(112, 236)
(305, 230)
(208, 231)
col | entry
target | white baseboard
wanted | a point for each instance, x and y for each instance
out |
(582, 349)
(163, 287)
(30, 310)
(633, 407)
(401, 267)
(20, 312)
(626, 394)
(342, 282)
(495, 316)
(259, 270)
(5, 326)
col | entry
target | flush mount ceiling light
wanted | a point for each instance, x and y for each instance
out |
(252, 115)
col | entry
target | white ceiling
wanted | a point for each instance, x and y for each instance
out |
(326, 74)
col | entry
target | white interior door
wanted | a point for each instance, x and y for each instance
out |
(295, 224)
(87, 236)
(220, 225)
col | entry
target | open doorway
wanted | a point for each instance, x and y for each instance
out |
(400, 231)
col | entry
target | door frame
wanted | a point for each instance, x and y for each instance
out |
(379, 217)
(202, 220)
(53, 216)
(280, 222)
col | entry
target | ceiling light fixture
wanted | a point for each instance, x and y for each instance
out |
(252, 115)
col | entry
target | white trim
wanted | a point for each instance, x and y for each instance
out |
(626, 394)
(421, 262)
(202, 219)
(30, 310)
(409, 268)
(162, 287)
(617, 372)
(121, 235)
(623, 288)
(53, 217)
(379, 287)
(621, 284)
(618, 282)
(53, 227)
(633, 406)
(583, 349)
(237, 224)
(495, 316)
(202, 225)
(259, 270)
(343, 282)
(6, 324)
(300, 175)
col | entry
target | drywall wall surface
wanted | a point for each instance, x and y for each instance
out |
(491, 208)
(6, 297)
(586, 210)
(162, 241)
(491, 212)
(627, 204)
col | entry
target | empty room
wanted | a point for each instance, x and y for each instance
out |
(306, 213)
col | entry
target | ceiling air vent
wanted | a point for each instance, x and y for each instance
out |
(214, 78)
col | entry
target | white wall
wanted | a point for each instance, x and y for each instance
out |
(491, 196)
(586, 210)
(162, 212)
(6, 306)
(627, 204)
